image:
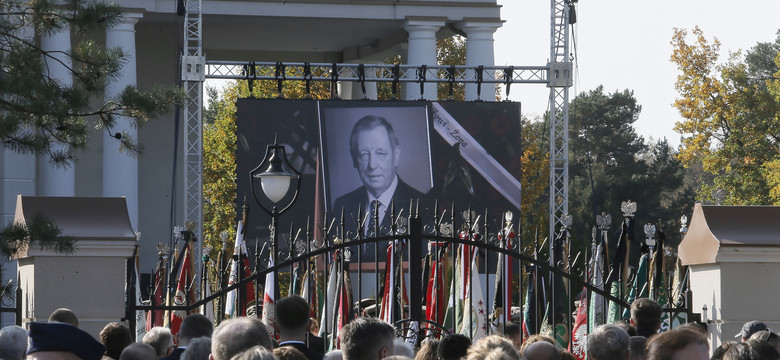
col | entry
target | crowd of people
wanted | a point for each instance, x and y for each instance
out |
(365, 338)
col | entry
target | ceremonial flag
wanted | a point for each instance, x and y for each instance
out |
(535, 303)
(679, 288)
(344, 305)
(453, 316)
(156, 298)
(502, 297)
(475, 322)
(596, 303)
(434, 297)
(239, 267)
(579, 342)
(394, 297)
(639, 288)
(618, 275)
(184, 283)
(329, 298)
(140, 317)
(658, 282)
(269, 299)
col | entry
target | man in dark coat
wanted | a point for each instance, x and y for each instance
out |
(292, 319)
(375, 152)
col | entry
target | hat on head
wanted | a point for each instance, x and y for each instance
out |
(64, 337)
(751, 327)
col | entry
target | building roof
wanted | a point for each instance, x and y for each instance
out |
(84, 218)
(714, 226)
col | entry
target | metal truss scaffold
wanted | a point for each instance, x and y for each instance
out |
(193, 76)
(376, 72)
(560, 79)
(557, 75)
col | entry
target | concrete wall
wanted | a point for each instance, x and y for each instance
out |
(91, 283)
(741, 286)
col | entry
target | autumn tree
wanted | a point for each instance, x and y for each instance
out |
(731, 123)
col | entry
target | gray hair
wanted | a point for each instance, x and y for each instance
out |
(608, 342)
(364, 338)
(13, 342)
(255, 353)
(199, 348)
(160, 339)
(238, 334)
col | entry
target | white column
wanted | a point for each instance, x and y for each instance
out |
(479, 51)
(422, 51)
(120, 169)
(56, 180)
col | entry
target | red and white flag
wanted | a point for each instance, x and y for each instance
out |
(269, 298)
(233, 305)
(183, 296)
(579, 344)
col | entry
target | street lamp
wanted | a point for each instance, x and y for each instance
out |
(274, 174)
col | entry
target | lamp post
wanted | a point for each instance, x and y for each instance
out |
(274, 175)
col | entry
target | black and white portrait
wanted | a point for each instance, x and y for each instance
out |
(374, 156)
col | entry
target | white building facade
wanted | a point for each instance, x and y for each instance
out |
(324, 31)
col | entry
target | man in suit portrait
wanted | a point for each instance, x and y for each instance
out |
(376, 152)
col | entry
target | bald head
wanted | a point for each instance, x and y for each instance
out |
(64, 315)
(138, 351)
(236, 335)
(541, 350)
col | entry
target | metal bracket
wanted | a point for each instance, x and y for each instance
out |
(193, 68)
(560, 74)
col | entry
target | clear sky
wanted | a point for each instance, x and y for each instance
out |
(626, 45)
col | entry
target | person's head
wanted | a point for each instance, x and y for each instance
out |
(566, 355)
(115, 337)
(646, 316)
(513, 333)
(367, 339)
(541, 350)
(60, 341)
(333, 355)
(375, 152)
(719, 351)
(64, 315)
(138, 351)
(625, 324)
(637, 347)
(608, 342)
(493, 347)
(742, 351)
(767, 336)
(160, 339)
(535, 338)
(427, 349)
(453, 347)
(256, 352)
(194, 326)
(13, 342)
(764, 349)
(402, 348)
(235, 335)
(289, 353)
(198, 348)
(314, 326)
(292, 317)
(749, 328)
(677, 344)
